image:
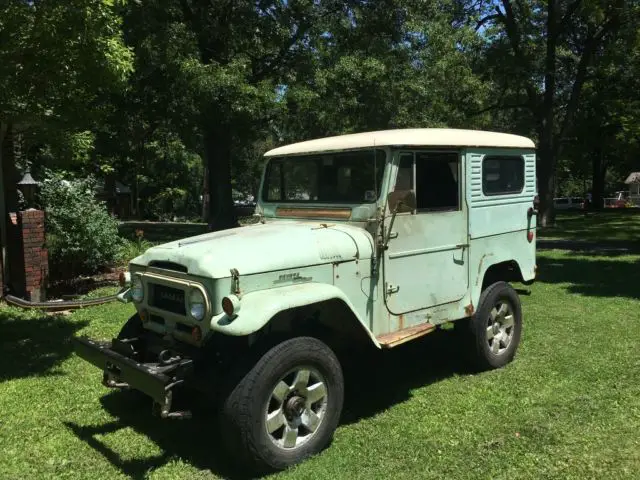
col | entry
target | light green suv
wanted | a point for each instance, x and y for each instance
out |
(367, 239)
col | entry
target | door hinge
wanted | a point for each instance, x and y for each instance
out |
(392, 289)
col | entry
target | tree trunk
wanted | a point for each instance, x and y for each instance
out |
(205, 192)
(3, 216)
(217, 145)
(599, 171)
(10, 172)
(547, 152)
(546, 181)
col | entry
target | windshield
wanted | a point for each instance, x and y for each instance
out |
(345, 177)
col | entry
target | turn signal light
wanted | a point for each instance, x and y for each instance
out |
(144, 315)
(124, 279)
(230, 305)
(530, 236)
(196, 334)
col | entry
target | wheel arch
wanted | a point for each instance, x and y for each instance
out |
(507, 271)
(492, 269)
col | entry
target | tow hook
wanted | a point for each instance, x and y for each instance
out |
(109, 382)
(164, 409)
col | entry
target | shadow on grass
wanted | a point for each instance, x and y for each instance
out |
(609, 225)
(375, 382)
(602, 276)
(34, 346)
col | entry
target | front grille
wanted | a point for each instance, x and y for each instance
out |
(168, 298)
(156, 319)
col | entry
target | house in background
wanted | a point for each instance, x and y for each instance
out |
(118, 198)
(633, 194)
(633, 180)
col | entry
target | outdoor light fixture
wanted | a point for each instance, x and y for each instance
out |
(28, 187)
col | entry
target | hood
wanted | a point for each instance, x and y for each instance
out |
(263, 248)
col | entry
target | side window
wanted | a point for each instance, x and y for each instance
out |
(437, 181)
(404, 178)
(274, 182)
(502, 175)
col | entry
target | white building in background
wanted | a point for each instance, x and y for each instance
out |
(633, 180)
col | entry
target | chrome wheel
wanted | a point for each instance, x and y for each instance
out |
(296, 408)
(500, 328)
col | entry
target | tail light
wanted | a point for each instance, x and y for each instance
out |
(536, 202)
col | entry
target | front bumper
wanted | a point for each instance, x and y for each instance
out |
(155, 379)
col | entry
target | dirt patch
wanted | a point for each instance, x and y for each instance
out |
(75, 287)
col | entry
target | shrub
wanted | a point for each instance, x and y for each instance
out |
(130, 249)
(81, 234)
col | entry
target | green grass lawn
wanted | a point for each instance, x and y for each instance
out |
(567, 407)
(600, 226)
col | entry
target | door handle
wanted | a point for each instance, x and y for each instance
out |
(391, 289)
(393, 235)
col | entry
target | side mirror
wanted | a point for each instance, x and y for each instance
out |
(402, 201)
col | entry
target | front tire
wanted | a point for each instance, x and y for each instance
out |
(497, 326)
(286, 407)
(132, 328)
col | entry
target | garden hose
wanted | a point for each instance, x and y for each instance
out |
(59, 305)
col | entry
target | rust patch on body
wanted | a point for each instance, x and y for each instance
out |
(480, 266)
(468, 310)
(389, 340)
(400, 322)
(337, 213)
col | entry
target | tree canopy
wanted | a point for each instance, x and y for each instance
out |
(179, 98)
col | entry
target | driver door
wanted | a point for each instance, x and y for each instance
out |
(426, 263)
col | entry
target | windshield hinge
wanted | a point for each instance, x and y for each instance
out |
(235, 281)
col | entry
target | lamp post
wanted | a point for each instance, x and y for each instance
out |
(28, 187)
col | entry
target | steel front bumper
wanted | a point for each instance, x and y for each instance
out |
(156, 380)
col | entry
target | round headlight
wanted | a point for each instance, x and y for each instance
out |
(197, 304)
(137, 290)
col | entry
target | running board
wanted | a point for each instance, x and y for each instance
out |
(389, 340)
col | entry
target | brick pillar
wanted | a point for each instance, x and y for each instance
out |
(30, 225)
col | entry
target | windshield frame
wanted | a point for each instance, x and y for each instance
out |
(382, 156)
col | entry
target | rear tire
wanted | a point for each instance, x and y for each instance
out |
(496, 326)
(286, 407)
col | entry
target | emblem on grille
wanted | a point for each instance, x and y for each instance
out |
(170, 296)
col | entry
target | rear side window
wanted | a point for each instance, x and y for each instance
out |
(502, 175)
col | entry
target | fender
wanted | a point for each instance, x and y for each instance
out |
(258, 307)
(490, 260)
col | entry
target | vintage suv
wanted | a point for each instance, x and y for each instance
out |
(371, 238)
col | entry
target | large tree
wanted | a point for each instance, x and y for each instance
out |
(385, 64)
(215, 66)
(539, 54)
(57, 60)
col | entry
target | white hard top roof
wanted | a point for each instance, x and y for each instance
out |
(415, 137)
